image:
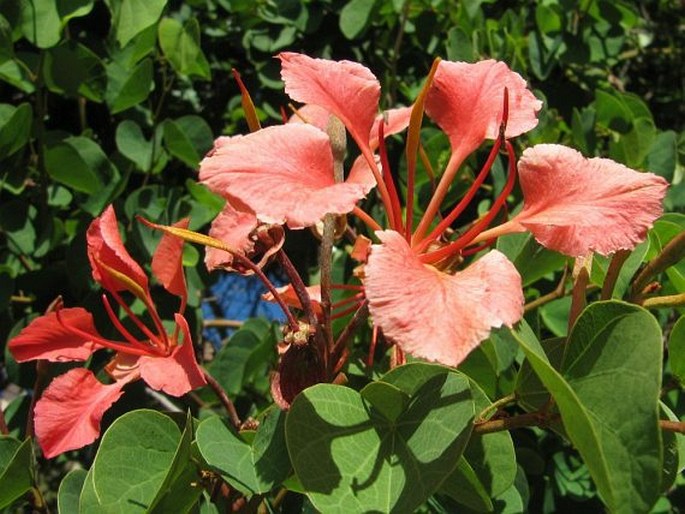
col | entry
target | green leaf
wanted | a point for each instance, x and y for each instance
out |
(70, 491)
(40, 22)
(181, 46)
(133, 462)
(6, 43)
(611, 373)
(459, 45)
(188, 138)
(230, 363)
(17, 75)
(15, 127)
(80, 163)
(252, 468)
(126, 88)
(69, 9)
(131, 17)
(532, 260)
(663, 154)
(676, 349)
(16, 462)
(354, 17)
(132, 144)
(487, 467)
(350, 457)
(674, 450)
(86, 76)
(179, 491)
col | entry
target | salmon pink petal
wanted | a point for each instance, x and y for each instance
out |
(46, 338)
(431, 314)
(178, 373)
(395, 120)
(311, 115)
(232, 227)
(346, 89)
(283, 173)
(167, 262)
(68, 414)
(105, 247)
(465, 100)
(576, 205)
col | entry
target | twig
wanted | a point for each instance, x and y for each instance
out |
(222, 323)
(558, 292)
(531, 419)
(669, 255)
(675, 300)
(493, 407)
(672, 426)
(613, 272)
(223, 397)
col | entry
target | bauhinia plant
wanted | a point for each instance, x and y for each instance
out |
(429, 282)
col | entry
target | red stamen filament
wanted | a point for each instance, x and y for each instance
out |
(347, 311)
(348, 287)
(122, 329)
(396, 217)
(160, 339)
(345, 301)
(483, 223)
(112, 345)
(367, 219)
(463, 203)
(380, 181)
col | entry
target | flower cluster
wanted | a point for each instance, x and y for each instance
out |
(286, 175)
(68, 414)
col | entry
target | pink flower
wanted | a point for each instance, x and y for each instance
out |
(68, 414)
(416, 294)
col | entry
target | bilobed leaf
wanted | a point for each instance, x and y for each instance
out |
(132, 144)
(251, 467)
(80, 163)
(354, 17)
(188, 138)
(350, 457)
(128, 87)
(181, 46)
(131, 17)
(70, 491)
(86, 76)
(132, 464)
(15, 127)
(611, 373)
(16, 460)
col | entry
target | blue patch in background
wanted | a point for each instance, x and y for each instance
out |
(238, 298)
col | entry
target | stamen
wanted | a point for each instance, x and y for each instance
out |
(112, 345)
(154, 338)
(368, 220)
(463, 203)
(482, 224)
(121, 328)
(345, 301)
(396, 218)
(347, 311)
(372, 347)
(348, 287)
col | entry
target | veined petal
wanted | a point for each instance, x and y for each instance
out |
(283, 173)
(395, 120)
(178, 373)
(311, 114)
(233, 227)
(106, 247)
(576, 205)
(68, 414)
(46, 338)
(431, 314)
(167, 261)
(465, 100)
(346, 89)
